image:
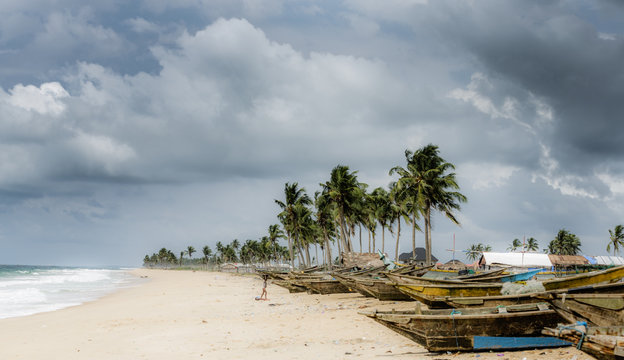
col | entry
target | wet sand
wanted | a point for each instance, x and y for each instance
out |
(207, 315)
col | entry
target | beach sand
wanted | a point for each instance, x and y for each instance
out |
(207, 315)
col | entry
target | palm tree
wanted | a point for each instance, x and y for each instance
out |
(475, 251)
(324, 221)
(207, 252)
(565, 243)
(515, 244)
(294, 195)
(531, 244)
(382, 212)
(398, 210)
(190, 250)
(616, 239)
(181, 256)
(275, 233)
(430, 186)
(343, 192)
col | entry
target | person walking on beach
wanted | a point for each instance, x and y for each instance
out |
(263, 296)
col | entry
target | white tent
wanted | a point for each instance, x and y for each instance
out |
(609, 260)
(516, 259)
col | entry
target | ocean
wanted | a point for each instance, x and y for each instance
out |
(26, 290)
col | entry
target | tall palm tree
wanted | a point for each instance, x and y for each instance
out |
(431, 186)
(275, 233)
(565, 243)
(515, 244)
(616, 239)
(382, 212)
(207, 252)
(325, 224)
(293, 196)
(344, 192)
(398, 205)
(531, 244)
(190, 250)
(475, 251)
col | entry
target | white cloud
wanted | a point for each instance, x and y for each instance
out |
(101, 152)
(141, 25)
(46, 99)
(486, 175)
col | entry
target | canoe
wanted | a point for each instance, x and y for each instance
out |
(472, 328)
(601, 342)
(480, 275)
(524, 276)
(487, 301)
(292, 288)
(419, 280)
(594, 309)
(433, 295)
(324, 287)
(382, 289)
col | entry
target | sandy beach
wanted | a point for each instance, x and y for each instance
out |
(206, 315)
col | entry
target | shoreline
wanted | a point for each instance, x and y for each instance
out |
(200, 314)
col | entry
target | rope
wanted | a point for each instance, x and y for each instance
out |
(573, 328)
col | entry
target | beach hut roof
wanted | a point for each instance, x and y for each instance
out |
(516, 259)
(452, 265)
(420, 256)
(568, 260)
(609, 260)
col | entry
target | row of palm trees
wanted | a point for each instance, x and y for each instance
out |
(343, 206)
(264, 250)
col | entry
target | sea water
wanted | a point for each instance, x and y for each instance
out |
(26, 290)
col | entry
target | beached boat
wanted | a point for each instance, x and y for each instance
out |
(523, 276)
(601, 342)
(594, 309)
(382, 289)
(480, 275)
(473, 328)
(487, 301)
(420, 280)
(324, 287)
(292, 288)
(434, 295)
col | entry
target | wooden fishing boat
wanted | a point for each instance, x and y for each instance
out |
(595, 277)
(480, 275)
(420, 280)
(433, 295)
(324, 287)
(601, 342)
(487, 301)
(473, 328)
(292, 288)
(524, 276)
(382, 289)
(594, 309)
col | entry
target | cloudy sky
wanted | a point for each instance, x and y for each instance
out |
(130, 126)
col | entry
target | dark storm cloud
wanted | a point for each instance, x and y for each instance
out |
(549, 51)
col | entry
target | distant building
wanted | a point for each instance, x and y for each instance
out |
(420, 258)
(454, 265)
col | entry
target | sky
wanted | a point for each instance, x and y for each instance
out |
(130, 126)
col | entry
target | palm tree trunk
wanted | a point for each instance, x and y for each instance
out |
(290, 251)
(374, 247)
(301, 257)
(327, 246)
(360, 226)
(307, 253)
(396, 252)
(369, 240)
(428, 234)
(316, 249)
(383, 239)
(414, 234)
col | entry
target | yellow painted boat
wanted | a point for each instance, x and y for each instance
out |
(613, 274)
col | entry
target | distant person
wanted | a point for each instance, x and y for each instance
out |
(263, 296)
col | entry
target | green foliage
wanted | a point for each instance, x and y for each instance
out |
(475, 251)
(616, 239)
(565, 243)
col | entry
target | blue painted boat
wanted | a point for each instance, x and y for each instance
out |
(510, 277)
(516, 343)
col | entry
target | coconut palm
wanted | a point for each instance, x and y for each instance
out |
(344, 193)
(275, 233)
(207, 253)
(325, 223)
(616, 239)
(293, 196)
(474, 252)
(189, 251)
(565, 243)
(515, 244)
(430, 186)
(531, 244)
(399, 210)
(383, 213)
